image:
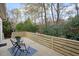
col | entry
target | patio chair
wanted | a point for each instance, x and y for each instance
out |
(14, 45)
(21, 48)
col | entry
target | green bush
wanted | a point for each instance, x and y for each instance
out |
(70, 28)
(54, 30)
(20, 27)
(27, 26)
(7, 29)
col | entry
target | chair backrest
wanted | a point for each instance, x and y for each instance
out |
(13, 43)
(18, 45)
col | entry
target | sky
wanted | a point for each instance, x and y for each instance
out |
(11, 6)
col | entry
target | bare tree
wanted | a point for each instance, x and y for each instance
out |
(58, 12)
(76, 7)
(45, 14)
(15, 17)
(52, 12)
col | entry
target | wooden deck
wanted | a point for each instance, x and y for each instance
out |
(41, 50)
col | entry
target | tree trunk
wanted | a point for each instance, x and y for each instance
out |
(42, 17)
(45, 14)
(76, 7)
(52, 12)
(58, 12)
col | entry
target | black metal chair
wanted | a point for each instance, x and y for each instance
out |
(22, 48)
(14, 45)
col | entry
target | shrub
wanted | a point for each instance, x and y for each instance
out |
(7, 29)
(27, 26)
(54, 30)
(71, 28)
(20, 27)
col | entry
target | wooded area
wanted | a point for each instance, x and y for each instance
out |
(55, 19)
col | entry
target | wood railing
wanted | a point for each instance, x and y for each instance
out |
(61, 45)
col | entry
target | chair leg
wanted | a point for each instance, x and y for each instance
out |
(16, 52)
(28, 50)
(20, 53)
(13, 49)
